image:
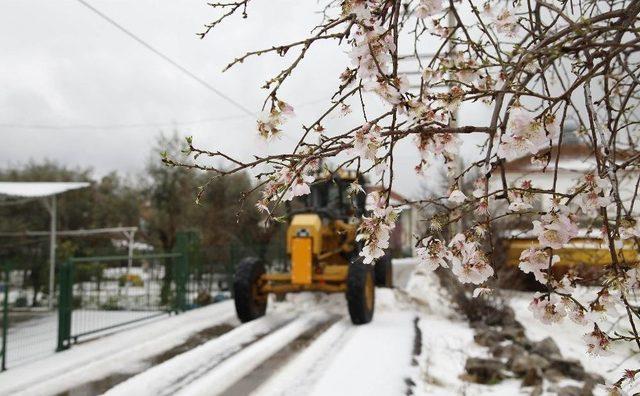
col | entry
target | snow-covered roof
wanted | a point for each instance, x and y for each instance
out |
(38, 189)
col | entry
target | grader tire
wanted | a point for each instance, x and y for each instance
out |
(360, 292)
(384, 271)
(250, 304)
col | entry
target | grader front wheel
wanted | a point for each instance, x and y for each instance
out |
(250, 303)
(360, 292)
(384, 271)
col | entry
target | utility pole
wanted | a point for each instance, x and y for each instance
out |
(130, 234)
(52, 208)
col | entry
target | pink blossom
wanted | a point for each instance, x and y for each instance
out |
(469, 264)
(285, 108)
(598, 344)
(535, 261)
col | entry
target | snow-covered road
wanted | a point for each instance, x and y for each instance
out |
(305, 346)
(305, 343)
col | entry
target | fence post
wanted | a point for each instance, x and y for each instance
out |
(5, 318)
(181, 270)
(65, 306)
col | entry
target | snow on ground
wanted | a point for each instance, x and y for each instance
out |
(37, 338)
(218, 380)
(568, 335)
(393, 355)
(373, 359)
(376, 359)
(447, 342)
(111, 354)
(179, 371)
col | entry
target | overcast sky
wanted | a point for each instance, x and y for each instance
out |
(67, 78)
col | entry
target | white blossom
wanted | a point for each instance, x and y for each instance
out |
(507, 23)
(299, 187)
(595, 194)
(629, 228)
(522, 198)
(457, 196)
(577, 314)
(432, 254)
(481, 291)
(427, 8)
(375, 231)
(547, 308)
(556, 228)
(367, 141)
(469, 264)
(632, 281)
(526, 134)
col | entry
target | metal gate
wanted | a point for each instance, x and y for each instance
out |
(101, 294)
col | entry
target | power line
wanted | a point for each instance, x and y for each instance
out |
(119, 126)
(55, 127)
(166, 58)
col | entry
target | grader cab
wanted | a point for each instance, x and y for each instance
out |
(322, 254)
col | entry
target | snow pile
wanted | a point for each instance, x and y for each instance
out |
(445, 343)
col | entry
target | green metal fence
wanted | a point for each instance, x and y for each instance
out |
(27, 332)
(5, 318)
(101, 294)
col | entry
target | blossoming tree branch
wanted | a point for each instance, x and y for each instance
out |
(542, 69)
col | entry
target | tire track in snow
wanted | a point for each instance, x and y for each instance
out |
(172, 375)
(104, 384)
(223, 376)
(278, 360)
(306, 368)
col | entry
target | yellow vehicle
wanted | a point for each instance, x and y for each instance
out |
(585, 256)
(322, 254)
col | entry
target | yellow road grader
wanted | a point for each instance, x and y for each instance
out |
(322, 254)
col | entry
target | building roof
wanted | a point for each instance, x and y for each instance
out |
(576, 156)
(38, 189)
